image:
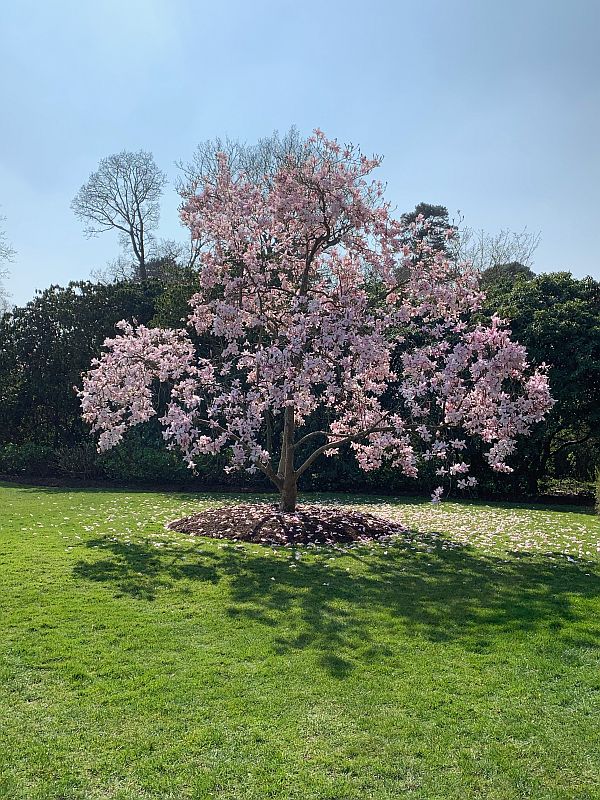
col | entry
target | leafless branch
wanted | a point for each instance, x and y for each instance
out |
(489, 250)
(6, 255)
(258, 162)
(123, 194)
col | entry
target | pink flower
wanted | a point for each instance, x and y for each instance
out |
(283, 298)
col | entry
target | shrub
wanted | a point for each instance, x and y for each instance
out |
(77, 462)
(26, 459)
(139, 464)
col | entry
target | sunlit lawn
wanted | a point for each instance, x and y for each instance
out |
(459, 662)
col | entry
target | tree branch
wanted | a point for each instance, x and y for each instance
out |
(354, 437)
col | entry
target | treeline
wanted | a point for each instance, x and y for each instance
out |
(47, 344)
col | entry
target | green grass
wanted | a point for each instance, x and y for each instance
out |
(461, 662)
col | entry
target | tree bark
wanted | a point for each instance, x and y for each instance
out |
(286, 473)
(143, 271)
(289, 496)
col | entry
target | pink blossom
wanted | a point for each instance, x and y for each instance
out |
(283, 295)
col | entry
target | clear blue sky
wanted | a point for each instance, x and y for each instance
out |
(492, 108)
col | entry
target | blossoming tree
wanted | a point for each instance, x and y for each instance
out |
(287, 282)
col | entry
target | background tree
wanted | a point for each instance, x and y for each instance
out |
(497, 253)
(557, 318)
(505, 273)
(427, 234)
(47, 344)
(167, 260)
(6, 255)
(123, 194)
(44, 348)
(436, 234)
(257, 162)
(283, 291)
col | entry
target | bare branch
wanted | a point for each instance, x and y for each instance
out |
(491, 250)
(6, 255)
(258, 162)
(123, 194)
(335, 445)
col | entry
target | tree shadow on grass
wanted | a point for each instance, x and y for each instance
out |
(445, 593)
(140, 569)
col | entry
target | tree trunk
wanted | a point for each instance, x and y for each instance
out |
(142, 271)
(286, 473)
(289, 496)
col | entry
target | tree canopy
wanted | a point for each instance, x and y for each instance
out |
(283, 291)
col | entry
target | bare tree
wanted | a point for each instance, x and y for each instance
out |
(6, 255)
(258, 162)
(492, 250)
(123, 194)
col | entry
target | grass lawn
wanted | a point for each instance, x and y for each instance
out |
(460, 662)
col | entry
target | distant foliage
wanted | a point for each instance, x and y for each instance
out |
(29, 458)
(505, 273)
(47, 344)
(41, 359)
(557, 318)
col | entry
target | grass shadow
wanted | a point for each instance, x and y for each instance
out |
(444, 592)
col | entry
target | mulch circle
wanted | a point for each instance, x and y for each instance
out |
(263, 523)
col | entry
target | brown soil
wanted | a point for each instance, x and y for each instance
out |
(265, 524)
